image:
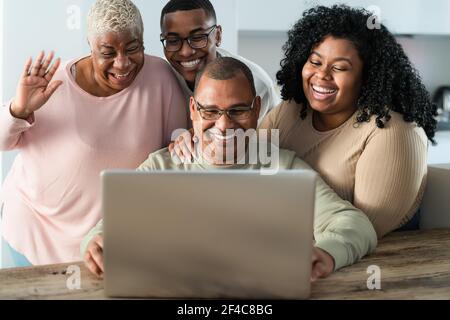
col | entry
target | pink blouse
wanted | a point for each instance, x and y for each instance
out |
(52, 193)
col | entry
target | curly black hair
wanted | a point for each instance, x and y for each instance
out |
(390, 82)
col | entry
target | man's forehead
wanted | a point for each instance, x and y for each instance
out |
(223, 93)
(186, 21)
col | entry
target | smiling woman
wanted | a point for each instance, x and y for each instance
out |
(356, 110)
(117, 49)
(332, 79)
(108, 110)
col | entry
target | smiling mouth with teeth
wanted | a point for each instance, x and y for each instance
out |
(224, 138)
(121, 76)
(190, 64)
(323, 90)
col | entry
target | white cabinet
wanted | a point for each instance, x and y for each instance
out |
(400, 16)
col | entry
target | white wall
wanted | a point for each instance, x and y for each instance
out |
(30, 26)
(1, 99)
(401, 16)
(431, 56)
(441, 153)
(264, 48)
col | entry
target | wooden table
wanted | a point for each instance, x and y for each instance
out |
(414, 265)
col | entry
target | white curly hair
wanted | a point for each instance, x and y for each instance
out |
(114, 16)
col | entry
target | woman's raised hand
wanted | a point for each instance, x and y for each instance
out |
(35, 86)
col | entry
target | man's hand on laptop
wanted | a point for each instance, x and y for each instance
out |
(93, 257)
(322, 264)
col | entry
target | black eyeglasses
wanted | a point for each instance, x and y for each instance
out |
(196, 41)
(238, 113)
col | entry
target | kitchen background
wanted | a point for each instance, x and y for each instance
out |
(254, 29)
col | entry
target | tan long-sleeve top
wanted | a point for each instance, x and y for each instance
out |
(381, 171)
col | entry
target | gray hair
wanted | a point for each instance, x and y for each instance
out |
(114, 16)
(226, 68)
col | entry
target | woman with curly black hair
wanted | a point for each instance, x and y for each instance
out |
(356, 110)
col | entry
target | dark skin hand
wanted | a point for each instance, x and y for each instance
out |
(322, 264)
(93, 257)
(35, 86)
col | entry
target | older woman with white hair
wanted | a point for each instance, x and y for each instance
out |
(108, 110)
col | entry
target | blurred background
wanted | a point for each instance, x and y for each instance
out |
(254, 29)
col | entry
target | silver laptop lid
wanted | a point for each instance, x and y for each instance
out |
(226, 234)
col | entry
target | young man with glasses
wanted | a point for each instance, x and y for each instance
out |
(225, 102)
(191, 38)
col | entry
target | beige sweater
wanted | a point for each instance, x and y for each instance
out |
(339, 228)
(381, 171)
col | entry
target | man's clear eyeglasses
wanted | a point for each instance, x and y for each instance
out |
(196, 41)
(238, 113)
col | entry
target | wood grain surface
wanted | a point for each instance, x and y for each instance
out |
(414, 265)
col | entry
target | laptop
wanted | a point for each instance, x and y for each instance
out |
(208, 235)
